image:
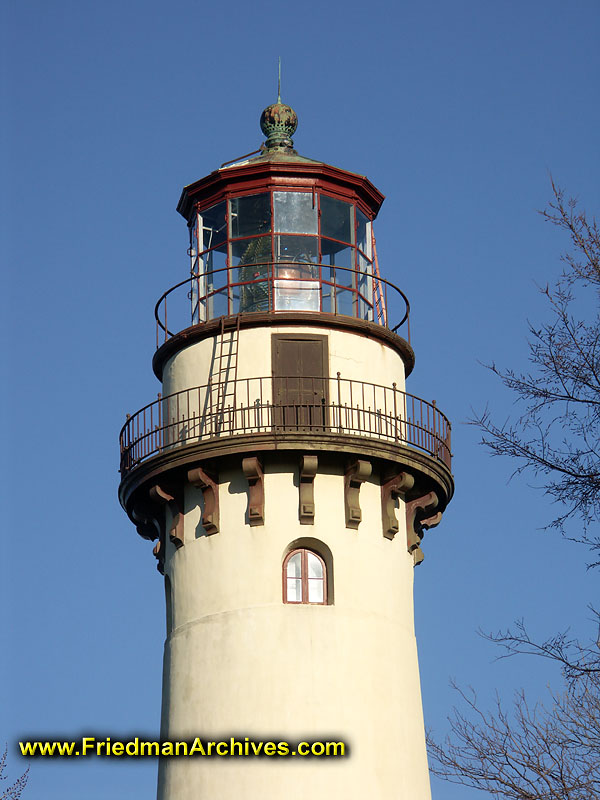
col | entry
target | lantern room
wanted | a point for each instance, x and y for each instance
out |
(281, 250)
(278, 232)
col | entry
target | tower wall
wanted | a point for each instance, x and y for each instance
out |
(284, 424)
(355, 356)
(239, 661)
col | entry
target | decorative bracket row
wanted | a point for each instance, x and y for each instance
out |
(150, 517)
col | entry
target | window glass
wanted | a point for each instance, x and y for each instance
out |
(294, 212)
(363, 233)
(294, 590)
(365, 310)
(295, 295)
(294, 566)
(214, 228)
(212, 260)
(253, 295)
(296, 249)
(339, 255)
(194, 248)
(304, 578)
(344, 302)
(210, 273)
(251, 251)
(315, 568)
(315, 590)
(218, 304)
(337, 219)
(250, 215)
(364, 265)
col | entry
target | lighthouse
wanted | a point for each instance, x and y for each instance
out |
(286, 477)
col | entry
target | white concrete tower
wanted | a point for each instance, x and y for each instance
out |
(287, 478)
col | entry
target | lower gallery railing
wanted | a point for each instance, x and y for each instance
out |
(284, 404)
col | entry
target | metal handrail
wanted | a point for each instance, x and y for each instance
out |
(284, 404)
(160, 309)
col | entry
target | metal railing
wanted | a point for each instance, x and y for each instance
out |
(284, 405)
(249, 288)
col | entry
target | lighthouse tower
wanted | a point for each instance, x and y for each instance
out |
(287, 477)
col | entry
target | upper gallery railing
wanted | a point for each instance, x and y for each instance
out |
(279, 287)
(284, 405)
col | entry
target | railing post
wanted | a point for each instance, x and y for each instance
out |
(395, 412)
(339, 390)
(160, 443)
(435, 441)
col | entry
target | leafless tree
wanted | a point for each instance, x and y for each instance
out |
(541, 753)
(557, 435)
(14, 791)
(550, 751)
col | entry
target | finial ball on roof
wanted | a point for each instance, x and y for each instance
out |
(278, 122)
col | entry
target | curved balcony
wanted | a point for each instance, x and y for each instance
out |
(321, 407)
(280, 287)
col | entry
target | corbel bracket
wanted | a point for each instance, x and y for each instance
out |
(149, 519)
(252, 469)
(210, 492)
(163, 496)
(420, 516)
(146, 521)
(308, 470)
(391, 489)
(356, 474)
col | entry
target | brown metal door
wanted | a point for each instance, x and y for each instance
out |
(300, 373)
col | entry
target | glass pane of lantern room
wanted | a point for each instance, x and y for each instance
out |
(337, 219)
(250, 215)
(210, 275)
(296, 250)
(253, 258)
(363, 233)
(251, 251)
(214, 228)
(294, 212)
(296, 274)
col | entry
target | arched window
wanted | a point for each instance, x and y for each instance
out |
(304, 578)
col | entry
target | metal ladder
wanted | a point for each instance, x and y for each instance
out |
(377, 288)
(223, 380)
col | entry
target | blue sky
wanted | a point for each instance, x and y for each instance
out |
(457, 112)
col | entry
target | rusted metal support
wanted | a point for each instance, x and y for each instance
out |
(420, 516)
(207, 482)
(391, 489)
(252, 469)
(308, 470)
(356, 474)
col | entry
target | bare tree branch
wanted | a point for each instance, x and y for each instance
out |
(14, 791)
(556, 437)
(541, 753)
(552, 751)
